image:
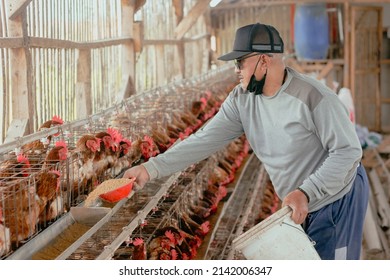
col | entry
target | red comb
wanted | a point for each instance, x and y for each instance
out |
(55, 172)
(57, 119)
(148, 139)
(127, 141)
(21, 158)
(205, 227)
(138, 241)
(170, 235)
(115, 134)
(203, 100)
(61, 143)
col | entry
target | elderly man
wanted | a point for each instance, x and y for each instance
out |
(300, 131)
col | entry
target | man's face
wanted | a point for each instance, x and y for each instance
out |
(245, 67)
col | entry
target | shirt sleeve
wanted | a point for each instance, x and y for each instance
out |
(223, 128)
(338, 136)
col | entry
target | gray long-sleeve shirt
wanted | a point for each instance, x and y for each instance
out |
(302, 135)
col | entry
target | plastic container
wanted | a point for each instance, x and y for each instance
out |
(346, 98)
(311, 31)
(118, 193)
(276, 238)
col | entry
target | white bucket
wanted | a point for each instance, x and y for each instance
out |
(276, 238)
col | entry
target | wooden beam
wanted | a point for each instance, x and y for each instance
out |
(17, 128)
(21, 106)
(138, 36)
(347, 47)
(16, 7)
(325, 70)
(65, 44)
(83, 85)
(128, 48)
(10, 43)
(179, 12)
(197, 10)
(259, 3)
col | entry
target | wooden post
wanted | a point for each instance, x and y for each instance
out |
(128, 53)
(347, 44)
(160, 64)
(83, 86)
(22, 101)
(178, 6)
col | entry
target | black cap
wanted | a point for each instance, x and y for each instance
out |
(256, 37)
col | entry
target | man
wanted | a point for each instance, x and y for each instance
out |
(299, 130)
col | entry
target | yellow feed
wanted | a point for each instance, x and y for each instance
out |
(106, 186)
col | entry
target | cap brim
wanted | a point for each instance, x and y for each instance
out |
(233, 55)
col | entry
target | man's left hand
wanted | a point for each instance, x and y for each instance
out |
(299, 205)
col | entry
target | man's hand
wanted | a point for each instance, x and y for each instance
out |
(141, 176)
(299, 205)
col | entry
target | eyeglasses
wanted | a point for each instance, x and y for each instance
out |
(238, 62)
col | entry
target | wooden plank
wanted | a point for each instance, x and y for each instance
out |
(11, 42)
(179, 12)
(128, 49)
(197, 10)
(373, 244)
(347, 42)
(17, 128)
(161, 77)
(67, 44)
(382, 203)
(325, 70)
(138, 36)
(254, 4)
(18, 65)
(16, 7)
(83, 85)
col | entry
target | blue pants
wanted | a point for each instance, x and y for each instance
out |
(337, 228)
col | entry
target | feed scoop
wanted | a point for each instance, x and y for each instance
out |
(118, 193)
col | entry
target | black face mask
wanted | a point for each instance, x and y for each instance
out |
(256, 86)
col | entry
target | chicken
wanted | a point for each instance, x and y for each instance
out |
(20, 208)
(192, 227)
(104, 156)
(148, 148)
(81, 169)
(189, 118)
(48, 189)
(112, 147)
(48, 185)
(162, 247)
(161, 138)
(23, 222)
(123, 161)
(56, 120)
(54, 209)
(139, 252)
(219, 176)
(198, 108)
(58, 153)
(39, 147)
(18, 166)
(134, 154)
(5, 237)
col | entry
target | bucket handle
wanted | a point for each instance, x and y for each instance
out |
(288, 210)
(300, 230)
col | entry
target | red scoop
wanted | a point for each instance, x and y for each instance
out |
(119, 193)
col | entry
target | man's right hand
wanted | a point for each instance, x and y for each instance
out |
(141, 176)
